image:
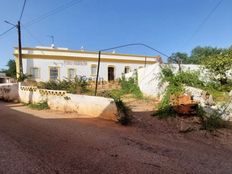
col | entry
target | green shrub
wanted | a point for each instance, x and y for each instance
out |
(174, 88)
(212, 121)
(164, 108)
(130, 86)
(76, 86)
(39, 106)
(188, 78)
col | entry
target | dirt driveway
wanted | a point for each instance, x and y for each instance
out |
(50, 142)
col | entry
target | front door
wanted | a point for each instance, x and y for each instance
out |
(110, 73)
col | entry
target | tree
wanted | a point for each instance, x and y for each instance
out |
(11, 71)
(201, 54)
(179, 58)
(219, 64)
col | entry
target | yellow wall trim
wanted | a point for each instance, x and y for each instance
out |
(88, 52)
(55, 57)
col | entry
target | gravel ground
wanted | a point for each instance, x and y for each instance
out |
(53, 142)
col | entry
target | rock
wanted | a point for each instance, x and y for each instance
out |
(210, 100)
(201, 96)
(227, 111)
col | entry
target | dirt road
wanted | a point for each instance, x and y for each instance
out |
(50, 142)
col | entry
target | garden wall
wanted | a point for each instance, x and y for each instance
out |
(9, 92)
(85, 106)
(149, 77)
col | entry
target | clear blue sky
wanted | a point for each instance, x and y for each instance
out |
(167, 25)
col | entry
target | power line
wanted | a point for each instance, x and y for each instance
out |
(53, 12)
(5, 32)
(204, 21)
(32, 35)
(136, 44)
(43, 16)
(21, 15)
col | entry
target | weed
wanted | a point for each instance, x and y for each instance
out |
(174, 88)
(130, 86)
(212, 121)
(67, 98)
(124, 116)
(124, 113)
(39, 106)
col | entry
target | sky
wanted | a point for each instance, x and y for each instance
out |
(166, 25)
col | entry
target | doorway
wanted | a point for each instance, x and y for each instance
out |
(110, 73)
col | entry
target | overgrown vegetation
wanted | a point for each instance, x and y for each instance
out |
(39, 106)
(130, 86)
(76, 86)
(219, 65)
(217, 61)
(212, 121)
(176, 87)
(124, 112)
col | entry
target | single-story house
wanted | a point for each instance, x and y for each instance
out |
(49, 63)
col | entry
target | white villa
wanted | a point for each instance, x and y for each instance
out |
(48, 63)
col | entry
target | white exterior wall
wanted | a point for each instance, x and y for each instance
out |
(81, 61)
(81, 70)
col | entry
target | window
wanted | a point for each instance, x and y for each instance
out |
(93, 70)
(54, 73)
(71, 73)
(35, 73)
(127, 69)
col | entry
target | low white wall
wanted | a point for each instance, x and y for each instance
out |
(149, 81)
(9, 92)
(85, 106)
(89, 106)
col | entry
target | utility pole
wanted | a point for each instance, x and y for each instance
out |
(20, 50)
(98, 68)
(18, 26)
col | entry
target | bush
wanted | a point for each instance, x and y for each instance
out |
(130, 86)
(76, 86)
(39, 106)
(188, 78)
(212, 121)
(175, 88)
(164, 108)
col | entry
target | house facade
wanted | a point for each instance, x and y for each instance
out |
(47, 63)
